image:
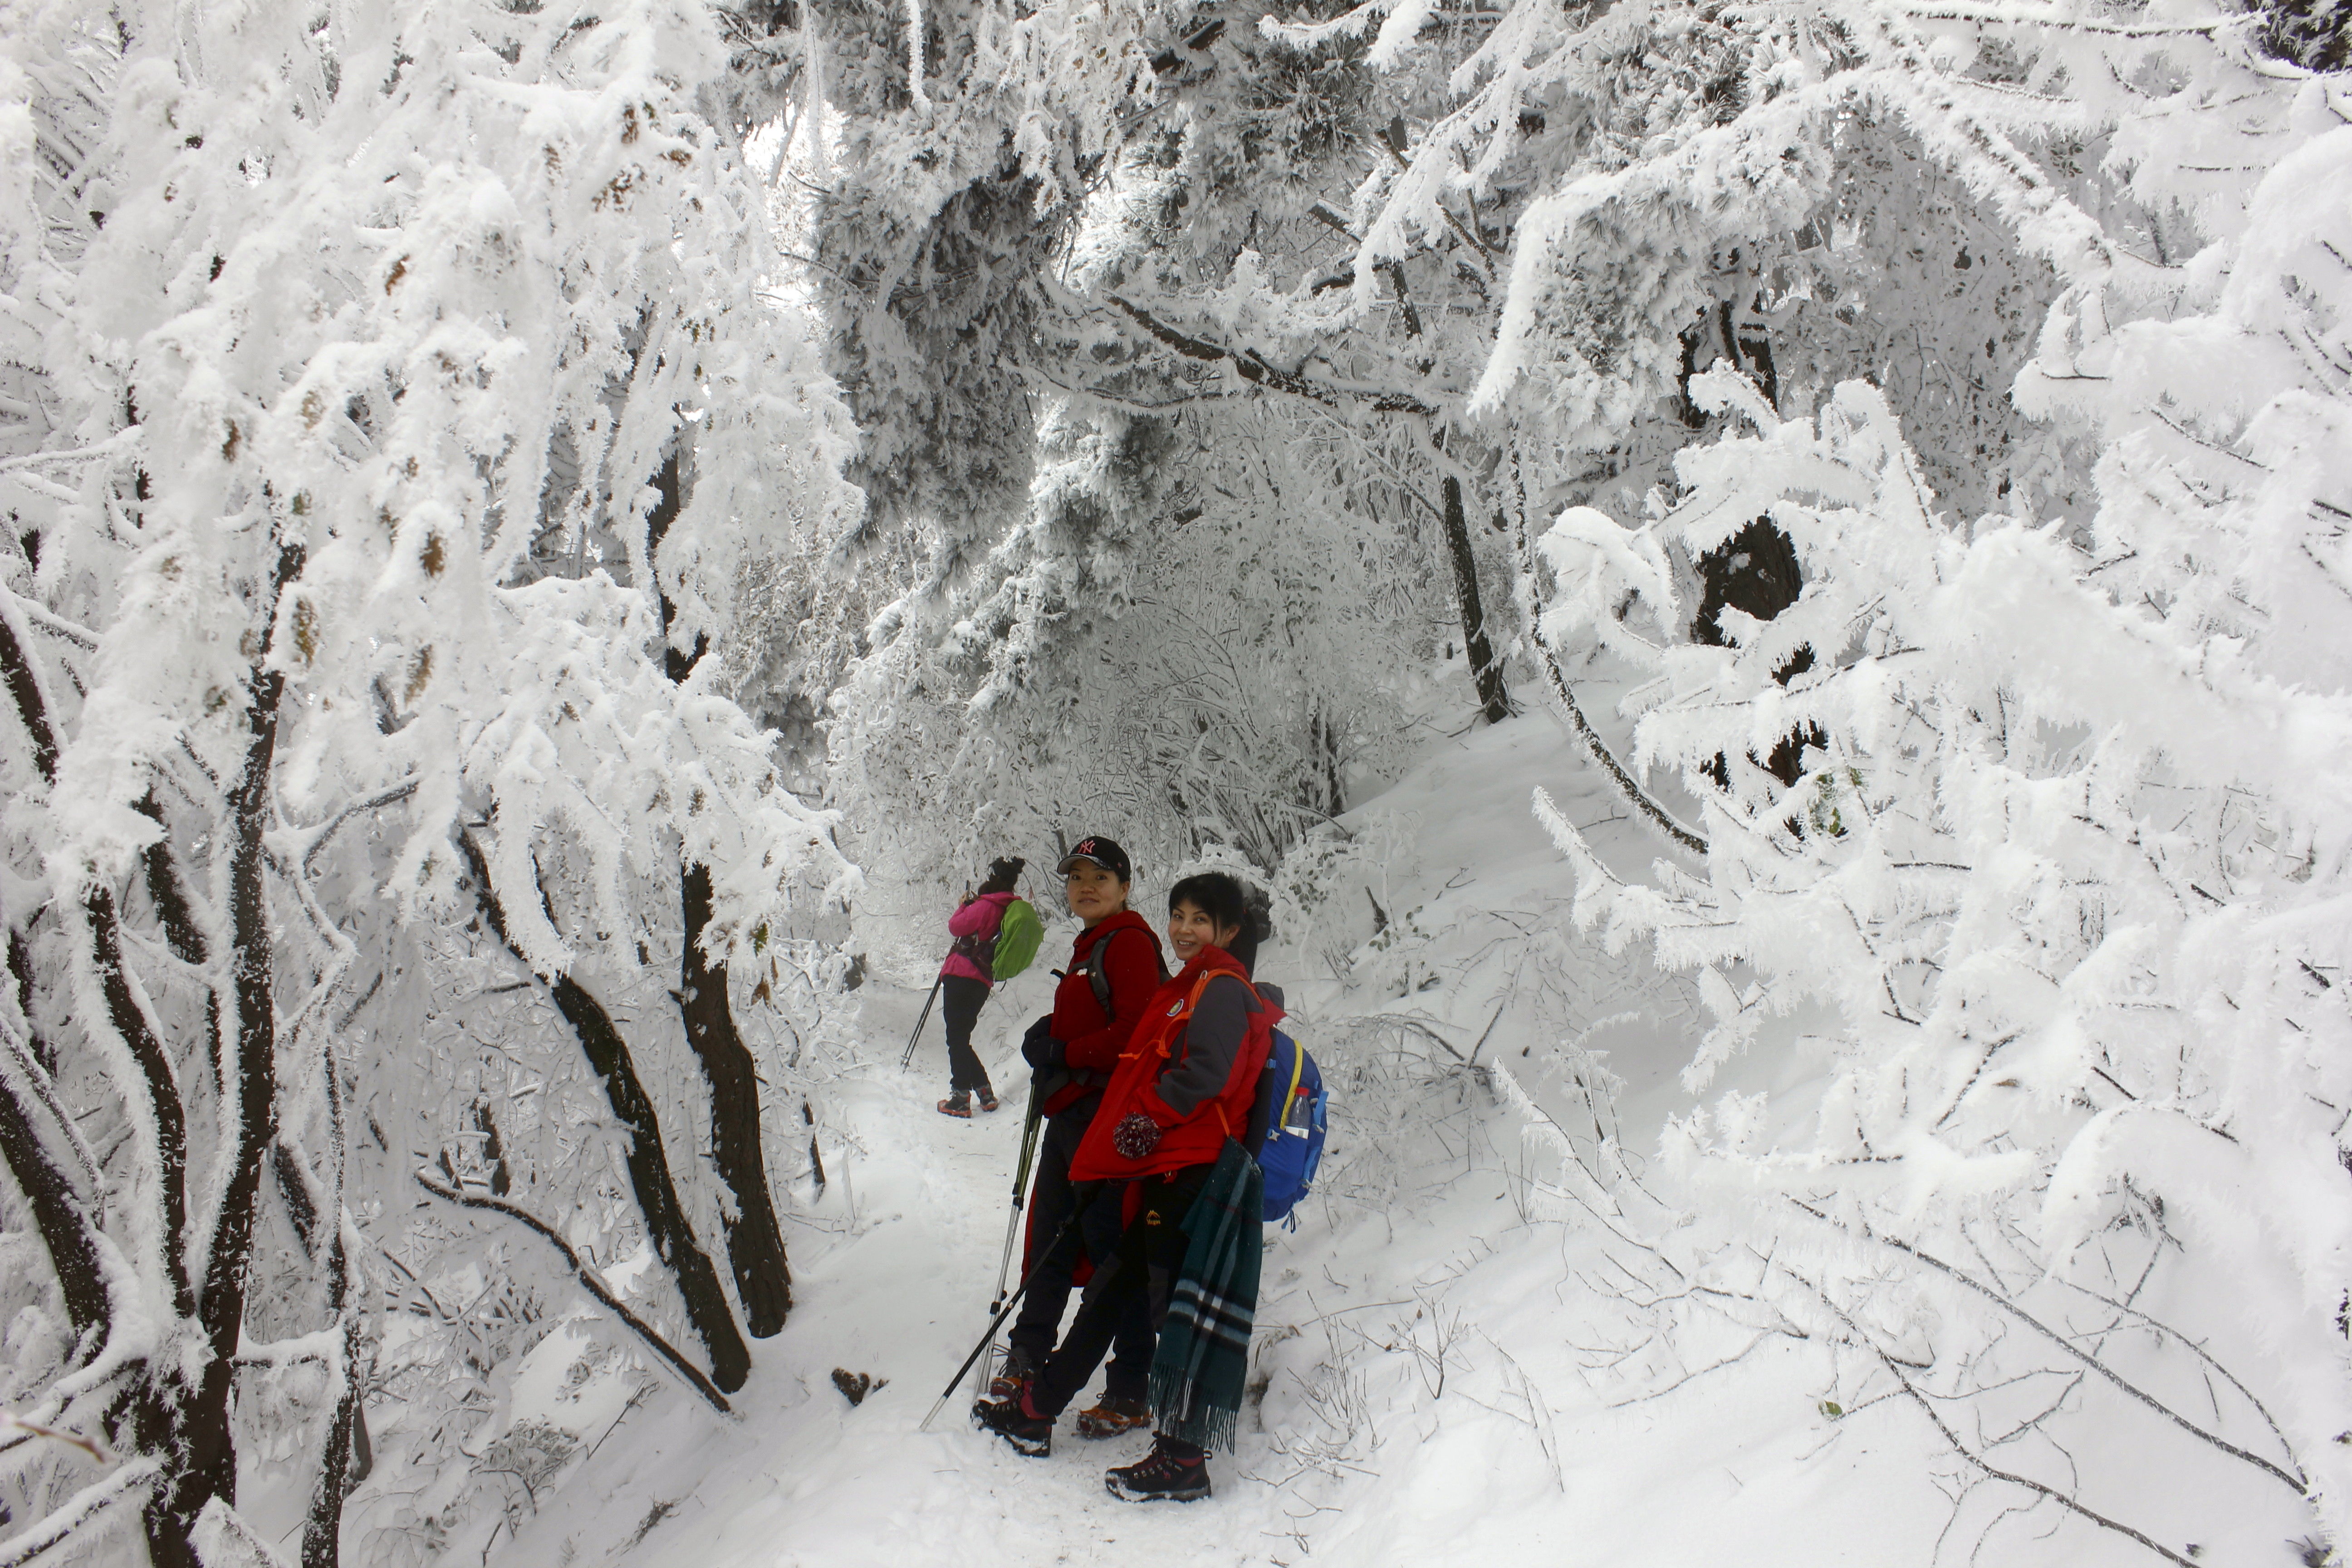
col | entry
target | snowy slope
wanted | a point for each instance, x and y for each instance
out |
(1428, 1338)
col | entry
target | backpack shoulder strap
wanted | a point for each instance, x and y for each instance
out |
(1100, 981)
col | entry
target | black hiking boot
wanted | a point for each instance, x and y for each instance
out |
(957, 1104)
(1015, 1375)
(1010, 1419)
(1170, 1473)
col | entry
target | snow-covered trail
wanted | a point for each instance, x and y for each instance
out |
(1399, 1336)
(806, 1480)
(893, 1266)
(903, 1297)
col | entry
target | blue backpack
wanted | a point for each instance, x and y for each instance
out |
(1286, 1125)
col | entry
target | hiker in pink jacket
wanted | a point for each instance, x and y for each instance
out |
(965, 979)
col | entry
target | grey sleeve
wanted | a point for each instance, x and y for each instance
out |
(1213, 1039)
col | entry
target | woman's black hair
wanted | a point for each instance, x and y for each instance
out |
(1224, 900)
(1004, 874)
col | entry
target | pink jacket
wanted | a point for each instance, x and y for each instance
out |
(977, 919)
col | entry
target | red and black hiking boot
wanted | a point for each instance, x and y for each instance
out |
(1171, 1472)
(1114, 1417)
(1014, 1376)
(1013, 1420)
(957, 1104)
(987, 1098)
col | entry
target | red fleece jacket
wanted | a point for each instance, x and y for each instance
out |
(1095, 1039)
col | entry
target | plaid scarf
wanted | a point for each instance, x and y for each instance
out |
(1201, 1365)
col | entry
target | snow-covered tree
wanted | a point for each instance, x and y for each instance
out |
(391, 417)
(2061, 862)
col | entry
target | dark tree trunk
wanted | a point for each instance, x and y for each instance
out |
(1494, 701)
(172, 906)
(322, 1529)
(58, 1212)
(665, 1220)
(2315, 34)
(755, 1245)
(1757, 571)
(163, 1087)
(25, 687)
(206, 1450)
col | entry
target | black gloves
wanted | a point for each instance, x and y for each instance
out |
(1040, 1049)
(1135, 1137)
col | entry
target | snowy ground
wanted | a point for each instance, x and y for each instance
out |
(1425, 1338)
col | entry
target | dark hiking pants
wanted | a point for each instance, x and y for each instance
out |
(960, 999)
(1051, 1198)
(1143, 1272)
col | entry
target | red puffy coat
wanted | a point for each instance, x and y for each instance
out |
(1159, 1045)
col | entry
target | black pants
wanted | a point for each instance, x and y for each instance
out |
(960, 999)
(1051, 1198)
(1150, 1255)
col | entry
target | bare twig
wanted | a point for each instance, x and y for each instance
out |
(2299, 1484)
(1977, 1462)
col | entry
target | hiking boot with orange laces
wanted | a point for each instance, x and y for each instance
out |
(1113, 1416)
(1016, 1374)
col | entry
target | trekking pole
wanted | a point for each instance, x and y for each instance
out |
(1029, 1126)
(997, 1322)
(908, 1059)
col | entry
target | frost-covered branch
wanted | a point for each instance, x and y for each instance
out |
(2067, 1347)
(1977, 1462)
(590, 1281)
(84, 1505)
(1251, 368)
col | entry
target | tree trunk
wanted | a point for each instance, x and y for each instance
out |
(667, 1225)
(755, 1245)
(203, 1458)
(1757, 571)
(57, 1214)
(1494, 701)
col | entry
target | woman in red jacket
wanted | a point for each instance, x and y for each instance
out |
(1114, 969)
(1184, 1086)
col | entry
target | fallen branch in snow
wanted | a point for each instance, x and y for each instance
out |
(78, 1510)
(589, 1279)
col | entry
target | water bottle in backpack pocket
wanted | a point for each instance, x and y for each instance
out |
(1287, 1126)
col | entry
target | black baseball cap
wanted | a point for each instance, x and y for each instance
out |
(1103, 852)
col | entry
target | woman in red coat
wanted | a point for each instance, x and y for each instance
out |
(1114, 970)
(1184, 1086)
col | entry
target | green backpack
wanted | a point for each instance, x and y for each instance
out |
(1018, 932)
